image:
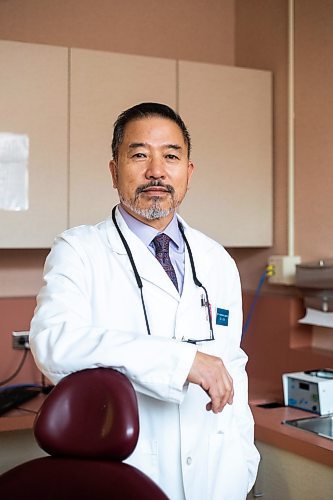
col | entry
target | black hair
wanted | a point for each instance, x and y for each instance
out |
(146, 110)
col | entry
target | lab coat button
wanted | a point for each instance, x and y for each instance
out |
(189, 460)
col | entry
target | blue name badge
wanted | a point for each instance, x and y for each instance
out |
(222, 316)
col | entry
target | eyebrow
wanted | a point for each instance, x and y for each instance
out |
(174, 146)
(135, 145)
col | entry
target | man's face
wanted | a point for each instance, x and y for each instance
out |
(152, 171)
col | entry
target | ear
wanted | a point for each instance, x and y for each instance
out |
(190, 169)
(114, 173)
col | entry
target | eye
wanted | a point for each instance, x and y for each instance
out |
(171, 156)
(139, 155)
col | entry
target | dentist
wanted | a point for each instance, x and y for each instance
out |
(145, 294)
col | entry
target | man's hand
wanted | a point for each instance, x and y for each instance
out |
(210, 373)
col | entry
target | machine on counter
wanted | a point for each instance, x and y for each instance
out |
(311, 390)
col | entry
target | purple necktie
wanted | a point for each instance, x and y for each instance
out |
(161, 242)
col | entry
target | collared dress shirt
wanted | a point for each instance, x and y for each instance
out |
(147, 233)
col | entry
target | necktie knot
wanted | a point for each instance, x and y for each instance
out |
(161, 243)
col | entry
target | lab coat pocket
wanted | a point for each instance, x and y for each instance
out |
(216, 445)
(227, 473)
(145, 458)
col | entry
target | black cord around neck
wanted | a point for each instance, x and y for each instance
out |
(136, 274)
(194, 274)
(139, 281)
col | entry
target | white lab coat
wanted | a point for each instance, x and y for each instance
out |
(89, 314)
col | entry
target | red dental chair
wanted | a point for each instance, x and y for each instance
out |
(88, 424)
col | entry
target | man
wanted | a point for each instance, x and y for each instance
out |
(117, 296)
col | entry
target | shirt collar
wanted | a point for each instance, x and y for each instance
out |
(147, 233)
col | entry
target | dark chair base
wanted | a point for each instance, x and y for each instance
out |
(70, 479)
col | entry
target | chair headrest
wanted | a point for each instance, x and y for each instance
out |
(89, 414)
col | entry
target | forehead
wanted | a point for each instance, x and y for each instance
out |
(153, 130)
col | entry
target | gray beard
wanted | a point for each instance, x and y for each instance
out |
(151, 213)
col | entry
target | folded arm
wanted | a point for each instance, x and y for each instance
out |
(64, 338)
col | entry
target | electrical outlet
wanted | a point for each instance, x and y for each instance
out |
(20, 340)
(283, 269)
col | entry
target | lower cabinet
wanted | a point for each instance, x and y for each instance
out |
(17, 447)
(286, 476)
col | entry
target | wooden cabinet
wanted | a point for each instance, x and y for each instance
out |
(17, 447)
(102, 85)
(33, 101)
(285, 475)
(228, 111)
(67, 101)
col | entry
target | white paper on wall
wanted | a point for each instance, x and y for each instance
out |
(14, 156)
(318, 318)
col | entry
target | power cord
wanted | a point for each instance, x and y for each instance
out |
(269, 271)
(44, 388)
(18, 369)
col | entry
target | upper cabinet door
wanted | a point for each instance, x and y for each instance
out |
(33, 101)
(228, 111)
(102, 86)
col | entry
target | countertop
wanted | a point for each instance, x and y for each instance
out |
(23, 417)
(270, 429)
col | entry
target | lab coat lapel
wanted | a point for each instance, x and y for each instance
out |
(147, 265)
(190, 290)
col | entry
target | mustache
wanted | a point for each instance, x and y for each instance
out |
(150, 184)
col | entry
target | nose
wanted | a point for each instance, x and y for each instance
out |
(155, 168)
